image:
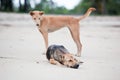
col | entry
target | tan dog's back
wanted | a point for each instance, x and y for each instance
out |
(56, 22)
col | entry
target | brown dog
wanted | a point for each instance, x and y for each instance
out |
(58, 54)
(48, 24)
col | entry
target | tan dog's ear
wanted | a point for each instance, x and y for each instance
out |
(31, 13)
(41, 12)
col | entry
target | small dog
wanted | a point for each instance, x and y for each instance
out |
(58, 54)
(48, 24)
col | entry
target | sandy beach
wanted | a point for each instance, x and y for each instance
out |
(22, 47)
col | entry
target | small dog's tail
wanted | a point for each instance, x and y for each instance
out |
(87, 13)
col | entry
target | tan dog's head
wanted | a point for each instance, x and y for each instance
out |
(70, 61)
(37, 16)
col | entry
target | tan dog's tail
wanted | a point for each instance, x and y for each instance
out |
(87, 13)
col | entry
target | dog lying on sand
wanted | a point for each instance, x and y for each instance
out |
(58, 54)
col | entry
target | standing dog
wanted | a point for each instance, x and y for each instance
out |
(48, 24)
(58, 54)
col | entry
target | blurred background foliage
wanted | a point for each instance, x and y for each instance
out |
(104, 7)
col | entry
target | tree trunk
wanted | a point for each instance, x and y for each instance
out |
(10, 5)
(20, 6)
(26, 6)
(6, 5)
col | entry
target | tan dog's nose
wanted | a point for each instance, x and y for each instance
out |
(37, 24)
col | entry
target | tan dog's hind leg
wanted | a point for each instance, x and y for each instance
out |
(74, 29)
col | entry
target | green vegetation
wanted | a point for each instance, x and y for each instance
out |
(104, 7)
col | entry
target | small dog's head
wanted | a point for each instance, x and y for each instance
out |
(37, 16)
(70, 61)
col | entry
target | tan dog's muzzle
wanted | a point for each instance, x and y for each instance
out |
(37, 24)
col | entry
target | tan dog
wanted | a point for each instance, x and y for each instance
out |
(48, 24)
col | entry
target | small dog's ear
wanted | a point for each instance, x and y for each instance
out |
(62, 57)
(31, 13)
(41, 12)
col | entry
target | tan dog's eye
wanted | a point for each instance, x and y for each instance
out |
(34, 18)
(39, 18)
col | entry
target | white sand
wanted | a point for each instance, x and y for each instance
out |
(21, 46)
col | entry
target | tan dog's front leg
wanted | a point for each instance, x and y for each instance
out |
(45, 36)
